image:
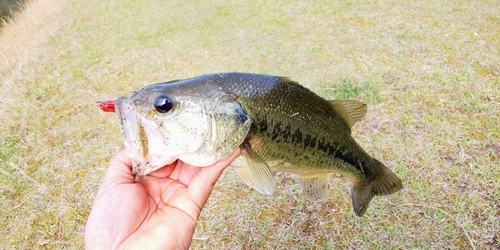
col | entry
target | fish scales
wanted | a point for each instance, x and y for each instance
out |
(280, 126)
(286, 119)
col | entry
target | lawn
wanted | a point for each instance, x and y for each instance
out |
(428, 70)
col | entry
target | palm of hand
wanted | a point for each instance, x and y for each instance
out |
(158, 211)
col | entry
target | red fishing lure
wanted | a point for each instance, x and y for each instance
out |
(107, 106)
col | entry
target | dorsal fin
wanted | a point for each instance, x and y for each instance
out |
(352, 111)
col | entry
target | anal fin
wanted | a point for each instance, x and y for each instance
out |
(315, 186)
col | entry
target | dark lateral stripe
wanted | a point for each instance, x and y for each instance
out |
(261, 126)
(281, 133)
(297, 136)
(333, 150)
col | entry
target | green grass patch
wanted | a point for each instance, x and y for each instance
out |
(7, 149)
(367, 91)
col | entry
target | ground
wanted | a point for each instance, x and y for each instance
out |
(428, 70)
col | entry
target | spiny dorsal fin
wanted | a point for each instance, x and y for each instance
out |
(352, 111)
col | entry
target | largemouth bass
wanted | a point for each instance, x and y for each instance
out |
(278, 124)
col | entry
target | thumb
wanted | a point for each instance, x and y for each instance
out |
(119, 171)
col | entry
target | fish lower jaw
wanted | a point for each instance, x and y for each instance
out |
(146, 166)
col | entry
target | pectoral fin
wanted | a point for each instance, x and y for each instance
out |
(315, 187)
(254, 171)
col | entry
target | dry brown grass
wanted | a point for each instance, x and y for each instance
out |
(430, 71)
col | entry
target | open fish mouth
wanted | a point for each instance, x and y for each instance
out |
(144, 141)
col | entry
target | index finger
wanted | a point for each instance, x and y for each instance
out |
(201, 186)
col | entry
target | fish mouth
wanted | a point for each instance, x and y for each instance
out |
(144, 141)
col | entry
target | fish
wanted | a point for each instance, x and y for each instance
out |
(279, 125)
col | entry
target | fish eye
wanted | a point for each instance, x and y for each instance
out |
(163, 103)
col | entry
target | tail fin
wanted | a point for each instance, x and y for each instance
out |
(382, 182)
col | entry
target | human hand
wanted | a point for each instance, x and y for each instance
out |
(157, 211)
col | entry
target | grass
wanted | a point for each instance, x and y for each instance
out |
(429, 71)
